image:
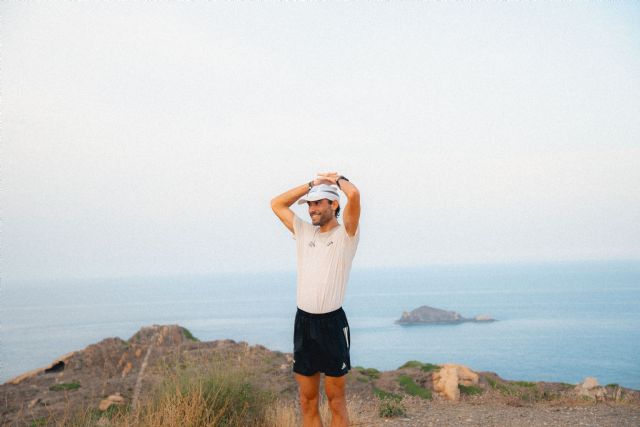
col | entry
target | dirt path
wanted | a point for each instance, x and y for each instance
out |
(422, 414)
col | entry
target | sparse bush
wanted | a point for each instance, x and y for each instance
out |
(410, 387)
(501, 387)
(382, 394)
(524, 390)
(425, 367)
(469, 390)
(42, 421)
(372, 373)
(411, 364)
(524, 383)
(389, 408)
(430, 367)
(187, 333)
(65, 386)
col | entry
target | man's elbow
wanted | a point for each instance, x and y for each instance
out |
(275, 204)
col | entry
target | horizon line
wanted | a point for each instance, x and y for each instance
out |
(293, 270)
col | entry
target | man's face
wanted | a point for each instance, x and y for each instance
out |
(320, 212)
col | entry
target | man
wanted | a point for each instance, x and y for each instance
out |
(325, 251)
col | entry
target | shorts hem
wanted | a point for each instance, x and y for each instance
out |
(337, 375)
(305, 373)
(327, 373)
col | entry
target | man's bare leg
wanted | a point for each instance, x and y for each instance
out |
(309, 388)
(334, 387)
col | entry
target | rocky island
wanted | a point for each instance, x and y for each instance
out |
(425, 315)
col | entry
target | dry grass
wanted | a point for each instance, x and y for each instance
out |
(194, 396)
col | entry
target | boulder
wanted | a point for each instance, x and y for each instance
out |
(446, 380)
(466, 376)
(590, 388)
(114, 399)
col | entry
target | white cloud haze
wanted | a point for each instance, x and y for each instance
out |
(148, 139)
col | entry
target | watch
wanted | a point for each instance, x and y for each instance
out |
(338, 180)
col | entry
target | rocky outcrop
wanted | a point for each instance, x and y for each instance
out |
(112, 372)
(429, 315)
(447, 379)
(55, 366)
(590, 388)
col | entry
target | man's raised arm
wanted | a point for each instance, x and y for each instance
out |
(280, 204)
(351, 215)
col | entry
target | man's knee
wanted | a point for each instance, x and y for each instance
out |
(335, 391)
(337, 403)
(309, 402)
(308, 392)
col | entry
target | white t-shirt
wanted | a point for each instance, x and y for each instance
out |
(324, 264)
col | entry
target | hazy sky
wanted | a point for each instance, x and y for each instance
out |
(148, 138)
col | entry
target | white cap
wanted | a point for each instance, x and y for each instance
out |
(319, 192)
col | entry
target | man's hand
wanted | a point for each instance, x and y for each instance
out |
(330, 178)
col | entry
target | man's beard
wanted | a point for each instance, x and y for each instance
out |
(320, 220)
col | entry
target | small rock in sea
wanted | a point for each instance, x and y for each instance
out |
(430, 315)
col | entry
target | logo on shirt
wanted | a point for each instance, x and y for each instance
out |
(312, 244)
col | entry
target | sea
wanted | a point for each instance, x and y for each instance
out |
(559, 322)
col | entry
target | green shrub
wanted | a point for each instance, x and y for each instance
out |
(65, 386)
(410, 387)
(429, 367)
(37, 422)
(187, 333)
(502, 387)
(469, 390)
(523, 390)
(524, 383)
(391, 408)
(372, 373)
(426, 367)
(382, 394)
(411, 364)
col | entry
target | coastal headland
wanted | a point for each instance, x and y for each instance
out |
(162, 375)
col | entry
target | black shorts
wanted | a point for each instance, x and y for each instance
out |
(321, 343)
